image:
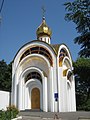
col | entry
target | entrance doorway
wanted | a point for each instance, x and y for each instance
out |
(35, 98)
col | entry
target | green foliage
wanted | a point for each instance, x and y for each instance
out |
(79, 13)
(9, 114)
(85, 107)
(82, 68)
(82, 79)
(5, 76)
(14, 111)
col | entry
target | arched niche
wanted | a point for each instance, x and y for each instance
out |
(33, 94)
(33, 75)
(36, 61)
(38, 50)
(32, 48)
(66, 65)
(62, 53)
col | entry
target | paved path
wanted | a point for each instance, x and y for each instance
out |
(27, 115)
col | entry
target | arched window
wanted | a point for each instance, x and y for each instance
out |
(38, 50)
(69, 75)
(33, 75)
(62, 54)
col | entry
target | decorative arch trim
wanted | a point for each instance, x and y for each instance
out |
(63, 46)
(33, 75)
(68, 60)
(38, 50)
(28, 45)
(32, 82)
(69, 65)
(31, 69)
(34, 55)
(62, 53)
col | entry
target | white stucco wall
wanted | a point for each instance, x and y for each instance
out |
(4, 100)
(53, 80)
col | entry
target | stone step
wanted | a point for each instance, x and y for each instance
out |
(37, 115)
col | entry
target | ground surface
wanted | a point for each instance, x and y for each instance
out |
(37, 115)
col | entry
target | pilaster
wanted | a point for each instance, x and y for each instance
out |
(45, 103)
(20, 95)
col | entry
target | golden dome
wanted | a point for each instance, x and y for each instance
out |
(43, 29)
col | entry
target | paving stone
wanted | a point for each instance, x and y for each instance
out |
(27, 115)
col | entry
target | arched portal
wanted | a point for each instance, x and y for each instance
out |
(33, 79)
(35, 98)
(34, 82)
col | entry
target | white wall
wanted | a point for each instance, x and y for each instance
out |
(4, 100)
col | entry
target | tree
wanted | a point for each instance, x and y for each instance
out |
(79, 13)
(5, 76)
(82, 79)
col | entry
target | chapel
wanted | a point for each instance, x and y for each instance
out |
(42, 75)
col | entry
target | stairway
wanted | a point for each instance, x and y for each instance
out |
(39, 115)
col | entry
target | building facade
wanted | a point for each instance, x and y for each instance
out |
(42, 75)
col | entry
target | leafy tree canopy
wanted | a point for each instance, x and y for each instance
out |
(82, 68)
(82, 79)
(79, 13)
(5, 76)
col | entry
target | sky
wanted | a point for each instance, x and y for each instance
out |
(21, 18)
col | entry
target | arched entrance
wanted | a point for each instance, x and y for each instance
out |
(34, 89)
(35, 98)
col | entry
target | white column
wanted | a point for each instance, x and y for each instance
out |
(55, 85)
(69, 98)
(23, 94)
(45, 104)
(13, 91)
(15, 84)
(20, 95)
(27, 98)
(13, 87)
(73, 95)
(59, 87)
(64, 94)
(51, 90)
(29, 90)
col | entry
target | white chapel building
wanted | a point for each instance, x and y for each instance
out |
(42, 75)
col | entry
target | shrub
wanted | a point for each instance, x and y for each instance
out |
(84, 108)
(10, 113)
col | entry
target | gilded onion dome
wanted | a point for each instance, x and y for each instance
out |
(43, 29)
